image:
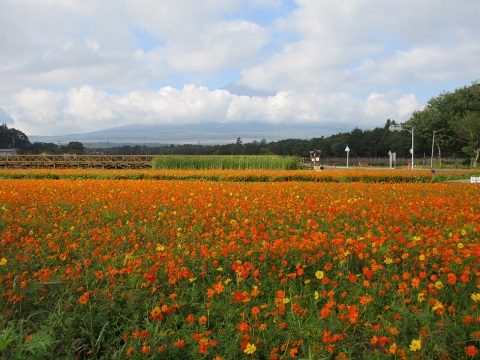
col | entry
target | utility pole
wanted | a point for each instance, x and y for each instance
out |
(433, 143)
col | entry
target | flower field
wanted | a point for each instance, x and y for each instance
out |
(344, 175)
(148, 268)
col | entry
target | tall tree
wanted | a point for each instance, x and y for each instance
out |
(451, 117)
(466, 120)
(467, 128)
(13, 138)
(433, 119)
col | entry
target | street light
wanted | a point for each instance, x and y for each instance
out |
(401, 127)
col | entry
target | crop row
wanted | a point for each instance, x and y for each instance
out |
(212, 162)
(332, 175)
(233, 270)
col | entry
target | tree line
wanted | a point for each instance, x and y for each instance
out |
(449, 124)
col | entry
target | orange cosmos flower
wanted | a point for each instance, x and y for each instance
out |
(255, 312)
(190, 318)
(243, 327)
(471, 351)
(156, 314)
(180, 343)
(203, 346)
(146, 349)
(238, 296)
(130, 350)
(84, 298)
(218, 287)
(451, 278)
(364, 300)
(210, 293)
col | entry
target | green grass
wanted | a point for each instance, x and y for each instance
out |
(225, 162)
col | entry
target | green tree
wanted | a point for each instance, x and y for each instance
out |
(465, 121)
(467, 128)
(13, 138)
(74, 147)
(449, 115)
(41, 147)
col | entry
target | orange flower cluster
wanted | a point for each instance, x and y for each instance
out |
(223, 269)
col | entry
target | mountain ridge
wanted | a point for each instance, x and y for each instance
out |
(204, 133)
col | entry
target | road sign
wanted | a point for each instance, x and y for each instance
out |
(396, 127)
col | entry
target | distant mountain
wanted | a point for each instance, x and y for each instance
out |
(244, 90)
(203, 133)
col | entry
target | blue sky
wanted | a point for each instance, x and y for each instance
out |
(73, 66)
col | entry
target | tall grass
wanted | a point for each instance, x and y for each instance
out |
(212, 162)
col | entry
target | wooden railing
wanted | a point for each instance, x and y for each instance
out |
(77, 161)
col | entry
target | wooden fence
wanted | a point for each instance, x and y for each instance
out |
(76, 161)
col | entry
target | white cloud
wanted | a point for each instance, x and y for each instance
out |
(220, 45)
(86, 109)
(70, 66)
(36, 109)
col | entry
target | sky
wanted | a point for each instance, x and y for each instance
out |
(76, 66)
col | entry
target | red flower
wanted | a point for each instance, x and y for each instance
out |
(238, 296)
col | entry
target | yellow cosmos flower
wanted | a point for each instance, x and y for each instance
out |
(3, 261)
(319, 275)
(438, 285)
(415, 345)
(316, 295)
(250, 349)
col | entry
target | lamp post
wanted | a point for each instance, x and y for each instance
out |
(401, 127)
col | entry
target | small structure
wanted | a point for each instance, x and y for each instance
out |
(315, 158)
(8, 151)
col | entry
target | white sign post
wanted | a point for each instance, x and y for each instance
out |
(347, 149)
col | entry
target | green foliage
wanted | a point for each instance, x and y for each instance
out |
(12, 138)
(23, 340)
(225, 162)
(6, 337)
(454, 117)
